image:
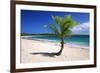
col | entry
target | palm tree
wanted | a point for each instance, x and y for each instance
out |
(62, 28)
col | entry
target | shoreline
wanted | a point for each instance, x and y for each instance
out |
(38, 51)
(67, 44)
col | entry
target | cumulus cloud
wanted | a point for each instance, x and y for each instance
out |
(81, 28)
(45, 26)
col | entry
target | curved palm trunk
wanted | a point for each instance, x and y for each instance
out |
(62, 46)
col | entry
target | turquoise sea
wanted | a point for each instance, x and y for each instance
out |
(81, 40)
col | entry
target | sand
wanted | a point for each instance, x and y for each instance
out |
(33, 51)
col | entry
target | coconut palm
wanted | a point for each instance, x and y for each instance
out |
(62, 28)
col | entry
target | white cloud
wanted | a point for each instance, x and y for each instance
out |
(82, 28)
(45, 26)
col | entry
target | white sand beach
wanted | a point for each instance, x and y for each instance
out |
(33, 51)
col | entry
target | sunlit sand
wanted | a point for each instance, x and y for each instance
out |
(33, 51)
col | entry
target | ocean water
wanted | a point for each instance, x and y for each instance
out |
(81, 40)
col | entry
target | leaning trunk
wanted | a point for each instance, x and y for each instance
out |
(62, 46)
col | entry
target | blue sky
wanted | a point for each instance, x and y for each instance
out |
(35, 22)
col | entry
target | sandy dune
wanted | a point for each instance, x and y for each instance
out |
(40, 51)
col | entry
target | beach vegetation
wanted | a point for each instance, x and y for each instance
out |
(61, 27)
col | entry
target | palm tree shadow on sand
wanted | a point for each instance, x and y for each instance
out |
(44, 54)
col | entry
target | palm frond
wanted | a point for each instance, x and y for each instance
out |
(54, 29)
(67, 33)
(57, 19)
(74, 23)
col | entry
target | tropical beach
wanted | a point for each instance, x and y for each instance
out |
(54, 36)
(33, 50)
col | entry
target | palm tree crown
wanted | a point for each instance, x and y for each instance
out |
(63, 26)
